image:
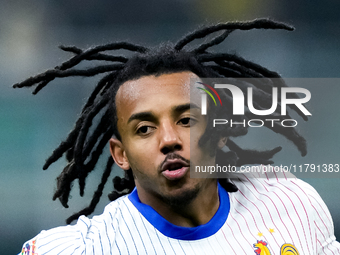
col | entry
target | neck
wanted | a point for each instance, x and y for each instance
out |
(192, 213)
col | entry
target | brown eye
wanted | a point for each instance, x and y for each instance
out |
(187, 121)
(144, 130)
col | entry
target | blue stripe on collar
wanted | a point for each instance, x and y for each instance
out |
(185, 233)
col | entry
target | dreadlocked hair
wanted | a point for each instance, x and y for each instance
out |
(85, 142)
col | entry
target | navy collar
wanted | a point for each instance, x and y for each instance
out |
(185, 233)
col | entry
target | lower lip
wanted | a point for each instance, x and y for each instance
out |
(175, 174)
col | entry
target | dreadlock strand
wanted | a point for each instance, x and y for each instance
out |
(97, 56)
(112, 46)
(72, 49)
(215, 41)
(41, 85)
(87, 123)
(106, 81)
(88, 72)
(252, 156)
(292, 135)
(72, 137)
(94, 159)
(97, 194)
(227, 185)
(78, 151)
(108, 58)
(241, 152)
(248, 72)
(64, 181)
(254, 24)
(100, 129)
(225, 72)
(241, 61)
(51, 74)
(58, 153)
(67, 144)
(124, 183)
(122, 186)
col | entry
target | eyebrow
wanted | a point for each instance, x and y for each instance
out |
(184, 107)
(141, 116)
(150, 116)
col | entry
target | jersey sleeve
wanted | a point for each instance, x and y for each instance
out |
(60, 240)
(86, 237)
(323, 224)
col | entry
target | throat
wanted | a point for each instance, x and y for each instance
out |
(191, 209)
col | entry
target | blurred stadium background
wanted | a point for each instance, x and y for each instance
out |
(32, 126)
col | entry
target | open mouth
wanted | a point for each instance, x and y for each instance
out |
(174, 169)
(175, 166)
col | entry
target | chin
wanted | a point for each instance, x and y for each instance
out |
(181, 197)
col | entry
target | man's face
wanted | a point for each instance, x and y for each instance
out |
(155, 119)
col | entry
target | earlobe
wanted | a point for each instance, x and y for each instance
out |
(222, 142)
(118, 154)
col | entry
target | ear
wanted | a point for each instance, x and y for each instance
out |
(222, 142)
(118, 154)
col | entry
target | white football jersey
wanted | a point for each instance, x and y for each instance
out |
(266, 216)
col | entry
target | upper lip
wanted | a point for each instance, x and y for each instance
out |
(174, 163)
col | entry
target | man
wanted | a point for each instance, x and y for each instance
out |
(152, 108)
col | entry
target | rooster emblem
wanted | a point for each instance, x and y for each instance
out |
(261, 248)
(286, 249)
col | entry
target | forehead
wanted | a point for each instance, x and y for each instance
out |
(146, 88)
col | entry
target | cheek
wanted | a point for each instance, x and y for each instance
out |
(140, 155)
(196, 134)
(200, 155)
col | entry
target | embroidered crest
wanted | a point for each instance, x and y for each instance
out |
(286, 249)
(289, 249)
(29, 248)
(261, 248)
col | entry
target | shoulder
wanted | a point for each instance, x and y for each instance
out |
(285, 197)
(290, 201)
(284, 191)
(274, 184)
(86, 236)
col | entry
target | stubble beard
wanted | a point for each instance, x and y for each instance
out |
(187, 196)
(183, 199)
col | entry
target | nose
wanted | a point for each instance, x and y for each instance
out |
(169, 138)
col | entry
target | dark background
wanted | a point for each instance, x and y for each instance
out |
(32, 126)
